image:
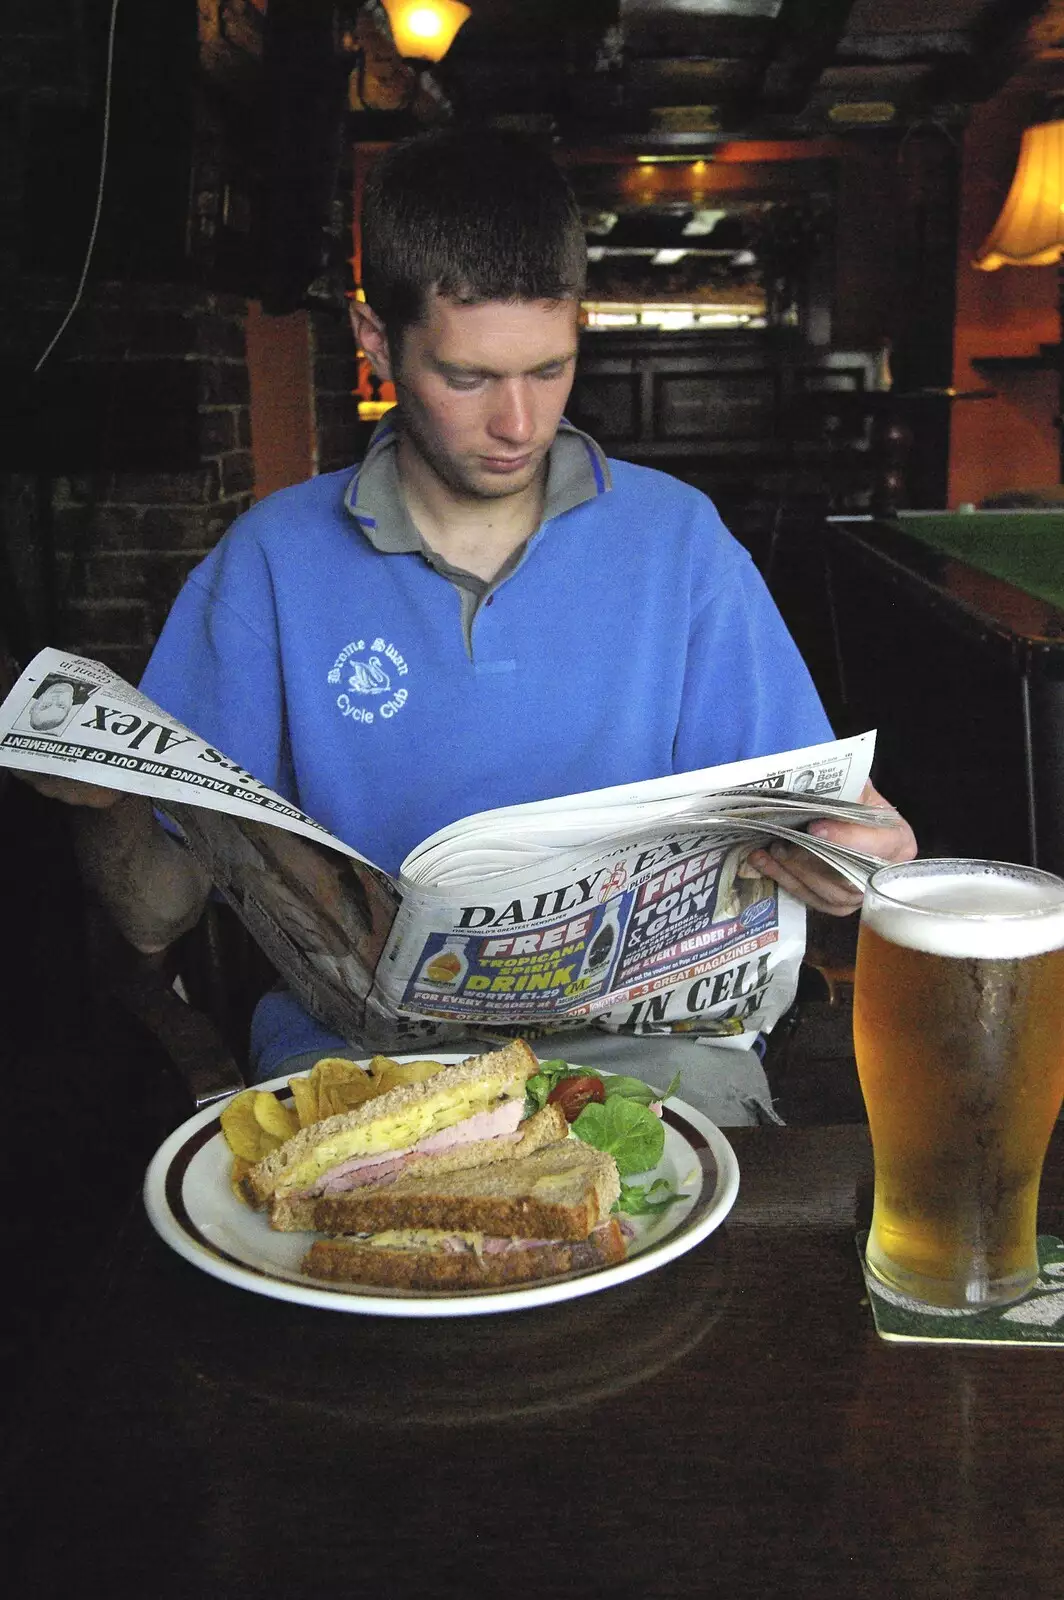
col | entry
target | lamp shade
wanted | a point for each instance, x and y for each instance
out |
(1030, 229)
(425, 28)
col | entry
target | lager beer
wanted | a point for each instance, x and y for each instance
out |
(959, 1036)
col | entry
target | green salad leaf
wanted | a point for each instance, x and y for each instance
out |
(550, 1074)
(626, 1130)
(636, 1089)
(540, 1085)
(638, 1200)
(623, 1124)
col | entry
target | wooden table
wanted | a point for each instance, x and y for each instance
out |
(730, 1424)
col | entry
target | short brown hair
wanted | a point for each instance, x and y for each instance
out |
(475, 215)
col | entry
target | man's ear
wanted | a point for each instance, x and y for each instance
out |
(371, 338)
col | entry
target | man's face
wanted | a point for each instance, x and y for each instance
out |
(52, 707)
(482, 389)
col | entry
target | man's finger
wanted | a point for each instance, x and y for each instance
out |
(817, 886)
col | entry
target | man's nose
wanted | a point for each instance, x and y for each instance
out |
(512, 417)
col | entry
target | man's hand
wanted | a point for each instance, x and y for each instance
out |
(71, 791)
(152, 886)
(810, 880)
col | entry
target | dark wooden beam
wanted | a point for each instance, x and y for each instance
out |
(804, 41)
(670, 27)
(998, 46)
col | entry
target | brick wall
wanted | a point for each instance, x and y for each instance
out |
(125, 540)
(136, 455)
(99, 552)
(333, 355)
(128, 453)
(334, 376)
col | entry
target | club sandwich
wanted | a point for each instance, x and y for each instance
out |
(467, 1115)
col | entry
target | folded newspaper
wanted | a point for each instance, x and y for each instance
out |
(634, 907)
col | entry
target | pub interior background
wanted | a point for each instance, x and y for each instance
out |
(783, 202)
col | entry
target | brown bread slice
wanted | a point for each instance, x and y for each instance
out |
(560, 1191)
(355, 1263)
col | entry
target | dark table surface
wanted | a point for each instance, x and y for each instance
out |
(996, 575)
(728, 1424)
(949, 644)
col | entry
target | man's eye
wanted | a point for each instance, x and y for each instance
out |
(550, 374)
(453, 381)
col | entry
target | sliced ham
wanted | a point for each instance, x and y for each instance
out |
(493, 1245)
(501, 1124)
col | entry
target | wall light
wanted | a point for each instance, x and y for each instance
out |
(425, 29)
(1030, 230)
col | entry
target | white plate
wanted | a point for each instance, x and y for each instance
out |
(192, 1207)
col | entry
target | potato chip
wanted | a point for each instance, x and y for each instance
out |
(326, 1103)
(398, 1073)
(339, 1098)
(333, 1085)
(349, 1096)
(305, 1095)
(337, 1069)
(379, 1064)
(273, 1117)
(241, 1129)
(342, 1084)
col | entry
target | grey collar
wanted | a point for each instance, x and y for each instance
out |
(577, 471)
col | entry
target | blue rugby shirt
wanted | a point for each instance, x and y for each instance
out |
(632, 638)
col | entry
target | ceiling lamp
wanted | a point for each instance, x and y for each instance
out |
(1030, 229)
(425, 28)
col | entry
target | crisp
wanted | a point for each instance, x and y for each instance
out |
(333, 1085)
(242, 1130)
(273, 1117)
(305, 1095)
(394, 1074)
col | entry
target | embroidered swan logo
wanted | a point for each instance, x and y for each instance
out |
(369, 677)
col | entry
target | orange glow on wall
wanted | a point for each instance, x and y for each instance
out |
(1008, 442)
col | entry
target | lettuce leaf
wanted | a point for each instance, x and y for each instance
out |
(636, 1089)
(626, 1130)
(551, 1073)
(637, 1200)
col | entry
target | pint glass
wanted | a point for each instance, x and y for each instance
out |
(959, 1036)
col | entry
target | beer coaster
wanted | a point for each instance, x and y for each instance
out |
(1036, 1319)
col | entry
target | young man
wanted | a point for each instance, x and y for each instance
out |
(488, 610)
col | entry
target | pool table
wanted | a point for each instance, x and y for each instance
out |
(948, 632)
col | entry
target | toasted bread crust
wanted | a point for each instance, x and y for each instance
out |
(355, 1211)
(521, 1218)
(260, 1183)
(347, 1261)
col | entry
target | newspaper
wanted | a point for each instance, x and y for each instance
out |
(635, 907)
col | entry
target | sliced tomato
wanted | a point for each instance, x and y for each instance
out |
(573, 1094)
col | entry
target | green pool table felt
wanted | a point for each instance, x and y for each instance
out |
(1025, 548)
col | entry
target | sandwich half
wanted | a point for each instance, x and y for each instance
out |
(465, 1115)
(532, 1217)
(562, 1190)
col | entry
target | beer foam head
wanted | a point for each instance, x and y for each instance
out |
(983, 910)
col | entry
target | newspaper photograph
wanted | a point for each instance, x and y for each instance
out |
(635, 907)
